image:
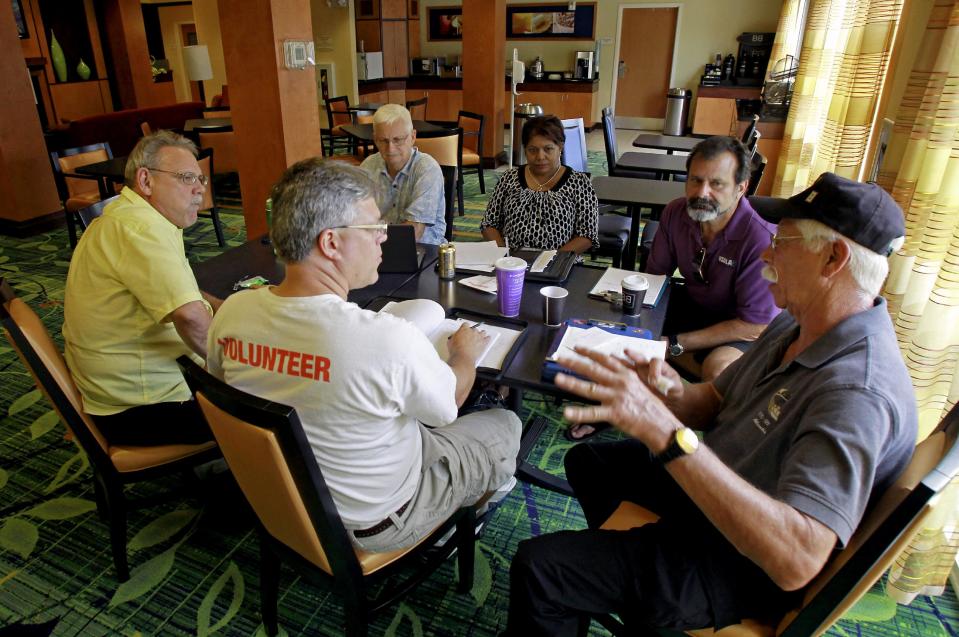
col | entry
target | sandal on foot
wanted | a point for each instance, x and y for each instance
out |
(570, 432)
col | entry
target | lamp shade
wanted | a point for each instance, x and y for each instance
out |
(197, 61)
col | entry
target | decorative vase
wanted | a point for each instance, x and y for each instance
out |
(83, 70)
(56, 57)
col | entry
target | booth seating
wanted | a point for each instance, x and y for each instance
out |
(122, 129)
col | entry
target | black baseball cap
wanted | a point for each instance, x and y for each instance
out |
(862, 212)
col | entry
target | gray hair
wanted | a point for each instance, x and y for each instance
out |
(144, 154)
(867, 268)
(389, 113)
(311, 196)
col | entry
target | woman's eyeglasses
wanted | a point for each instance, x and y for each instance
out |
(699, 259)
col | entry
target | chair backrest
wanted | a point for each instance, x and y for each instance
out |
(446, 146)
(272, 461)
(449, 190)
(365, 118)
(145, 128)
(747, 134)
(574, 150)
(40, 355)
(473, 125)
(757, 169)
(609, 140)
(338, 111)
(884, 532)
(417, 108)
(224, 143)
(752, 144)
(91, 212)
(68, 160)
(205, 159)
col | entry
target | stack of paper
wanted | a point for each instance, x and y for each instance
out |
(604, 342)
(478, 255)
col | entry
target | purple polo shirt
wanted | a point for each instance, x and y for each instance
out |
(734, 287)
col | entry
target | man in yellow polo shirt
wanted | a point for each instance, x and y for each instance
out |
(133, 306)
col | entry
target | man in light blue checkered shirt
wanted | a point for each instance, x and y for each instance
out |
(409, 183)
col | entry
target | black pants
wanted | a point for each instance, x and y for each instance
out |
(678, 573)
(683, 315)
(159, 424)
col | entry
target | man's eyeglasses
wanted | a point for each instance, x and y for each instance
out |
(777, 238)
(396, 141)
(699, 259)
(377, 228)
(187, 179)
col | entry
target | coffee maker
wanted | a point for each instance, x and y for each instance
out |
(584, 65)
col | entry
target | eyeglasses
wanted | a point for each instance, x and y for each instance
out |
(396, 141)
(377, 228)
(698, 261)
(187, 179)
(778, 238)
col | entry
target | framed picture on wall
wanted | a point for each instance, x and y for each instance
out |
(444, 24)
(551, 21)
(22, 30)
(326, 80)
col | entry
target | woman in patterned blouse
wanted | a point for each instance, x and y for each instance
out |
(544, 205)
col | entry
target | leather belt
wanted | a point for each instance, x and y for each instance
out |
(382, 526)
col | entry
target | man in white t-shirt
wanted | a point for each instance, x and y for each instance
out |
(378, 405)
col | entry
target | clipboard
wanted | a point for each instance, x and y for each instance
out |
(551, 367)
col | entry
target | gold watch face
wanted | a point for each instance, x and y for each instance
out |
(687, 440)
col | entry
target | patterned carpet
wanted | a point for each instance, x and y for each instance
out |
(194, 560)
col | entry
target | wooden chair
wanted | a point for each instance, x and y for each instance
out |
(223, 143)
(113, 466)
(273, 462)
(338, 113)
(446, 147)
(417, 108)
(472, 125)
(205, 159)
(91, 212)
(884, 532)
(449, 189)
(609, 139)
(77, 191)
(145, 128)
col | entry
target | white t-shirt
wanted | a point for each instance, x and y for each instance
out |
(359, 381)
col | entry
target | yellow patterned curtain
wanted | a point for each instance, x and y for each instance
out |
(842, 67)
(921, 170)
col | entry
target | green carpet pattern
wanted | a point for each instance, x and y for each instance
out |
(194, 560)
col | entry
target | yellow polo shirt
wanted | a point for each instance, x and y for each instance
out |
(128, 272)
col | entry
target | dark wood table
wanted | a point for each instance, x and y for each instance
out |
(208, 125)
(364, 132)
(636, 194)
(255, 258)
(669, 143)
(109, 171)
(663, 165)
(525, 370)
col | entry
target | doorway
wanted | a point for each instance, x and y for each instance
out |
(644, 60)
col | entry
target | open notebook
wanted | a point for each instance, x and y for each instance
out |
(430, 317)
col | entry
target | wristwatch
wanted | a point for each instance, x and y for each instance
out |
(684, 443)
(675, 349)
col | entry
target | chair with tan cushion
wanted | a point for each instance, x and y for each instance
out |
(113, 466)
(338, 114)
(77, 191)
(446, 147)
(417, 108)
(884, 532)
(273, 463)
(91, 212)
(472, 125)
(223, 143)
(205, 159)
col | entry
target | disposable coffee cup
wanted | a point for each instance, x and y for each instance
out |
(510, 274)
(634, 293)
(554, 299)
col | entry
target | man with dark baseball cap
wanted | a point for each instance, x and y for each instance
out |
(801, 434)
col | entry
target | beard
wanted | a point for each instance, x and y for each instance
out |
(770, 274)
(701, 209)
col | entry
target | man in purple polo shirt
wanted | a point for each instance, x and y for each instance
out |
(715, 238)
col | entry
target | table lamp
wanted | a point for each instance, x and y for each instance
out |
(197, 60)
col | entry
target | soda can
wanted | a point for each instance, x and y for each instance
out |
(447, 262)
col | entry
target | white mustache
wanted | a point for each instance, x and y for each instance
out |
(770, 274)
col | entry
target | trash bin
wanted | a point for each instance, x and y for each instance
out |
(677, 111)
(522, 113)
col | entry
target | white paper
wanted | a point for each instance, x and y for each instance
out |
(612, 281)
(542, 261)
(470, 254)
(598, 340)
(481, 283)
